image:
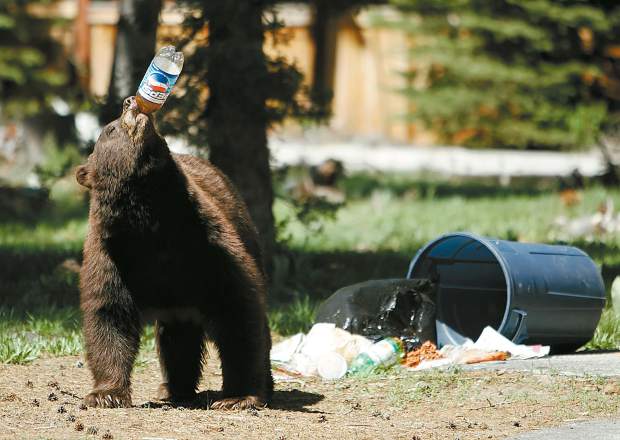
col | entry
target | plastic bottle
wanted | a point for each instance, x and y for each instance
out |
(159, 79)
(384, 353)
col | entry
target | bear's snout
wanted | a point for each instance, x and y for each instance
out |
(130, 103)
(133, 121)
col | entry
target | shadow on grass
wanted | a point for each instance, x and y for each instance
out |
(31, 206)
(33, 278)
(34, 270)
(319, 274)
(289, 400)
(302, 280)
(49, 277)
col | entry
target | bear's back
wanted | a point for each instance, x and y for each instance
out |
(215, 191)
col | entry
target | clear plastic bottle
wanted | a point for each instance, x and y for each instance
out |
(384, 353)
(159, 79)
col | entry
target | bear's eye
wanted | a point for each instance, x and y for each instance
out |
(110, 130)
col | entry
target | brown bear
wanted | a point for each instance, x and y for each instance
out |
(169, 240)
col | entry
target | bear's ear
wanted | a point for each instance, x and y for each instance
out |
(82, 174)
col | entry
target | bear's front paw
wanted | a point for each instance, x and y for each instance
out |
(239, 403)
(108, 399)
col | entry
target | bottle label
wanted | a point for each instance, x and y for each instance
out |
(156, 84)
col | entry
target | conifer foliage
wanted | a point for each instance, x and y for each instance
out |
(33, 68)
(512, 73)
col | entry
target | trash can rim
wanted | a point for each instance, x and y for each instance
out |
(487, 242)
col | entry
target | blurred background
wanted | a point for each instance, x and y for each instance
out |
(356, 131)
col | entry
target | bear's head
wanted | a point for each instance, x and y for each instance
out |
(128, 149)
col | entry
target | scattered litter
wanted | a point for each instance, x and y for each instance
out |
(331, 353)
(479, 356)
(490, 340)
(378, 309)
(426, 352)
(332, 365)
(491, 346)
(324, 351)
(385, 353)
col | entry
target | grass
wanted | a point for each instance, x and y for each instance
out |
(293, 318)
(607, 334)
(25, 337)
(386, 219)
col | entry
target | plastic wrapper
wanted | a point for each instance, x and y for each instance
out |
(377, 309)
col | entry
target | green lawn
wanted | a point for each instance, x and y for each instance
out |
(385, 220)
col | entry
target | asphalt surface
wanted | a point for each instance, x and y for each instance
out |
(585, 364)
(457, 161)
(596, 430)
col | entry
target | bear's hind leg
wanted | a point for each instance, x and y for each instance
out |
(180, 346)
(243, 342)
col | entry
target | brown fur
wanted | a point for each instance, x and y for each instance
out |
(169, 238)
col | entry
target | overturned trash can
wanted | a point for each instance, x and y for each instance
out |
(530, 293)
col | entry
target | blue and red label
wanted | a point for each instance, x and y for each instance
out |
(156, 84)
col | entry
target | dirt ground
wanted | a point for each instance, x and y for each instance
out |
(42, 400)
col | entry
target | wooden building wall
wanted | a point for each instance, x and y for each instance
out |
(366, 76)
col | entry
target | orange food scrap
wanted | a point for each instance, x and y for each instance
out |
(426, 352)
(486, 357)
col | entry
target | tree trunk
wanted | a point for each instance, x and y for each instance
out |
(133, 51)
(236, 114)
(82, 43)
(324, 35)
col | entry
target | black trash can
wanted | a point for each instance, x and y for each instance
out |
(530, 293)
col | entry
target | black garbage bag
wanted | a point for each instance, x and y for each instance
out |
(403, 308)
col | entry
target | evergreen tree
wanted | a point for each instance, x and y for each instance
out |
(34, 73)
(133, 51)
(512, 73)
(33, 68)
(228, 95)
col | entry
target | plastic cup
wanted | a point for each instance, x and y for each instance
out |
(331, 366)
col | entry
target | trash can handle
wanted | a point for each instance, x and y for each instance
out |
(521, 332)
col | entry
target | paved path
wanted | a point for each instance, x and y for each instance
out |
(456, 161)
(599, 364)
(596, 430)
